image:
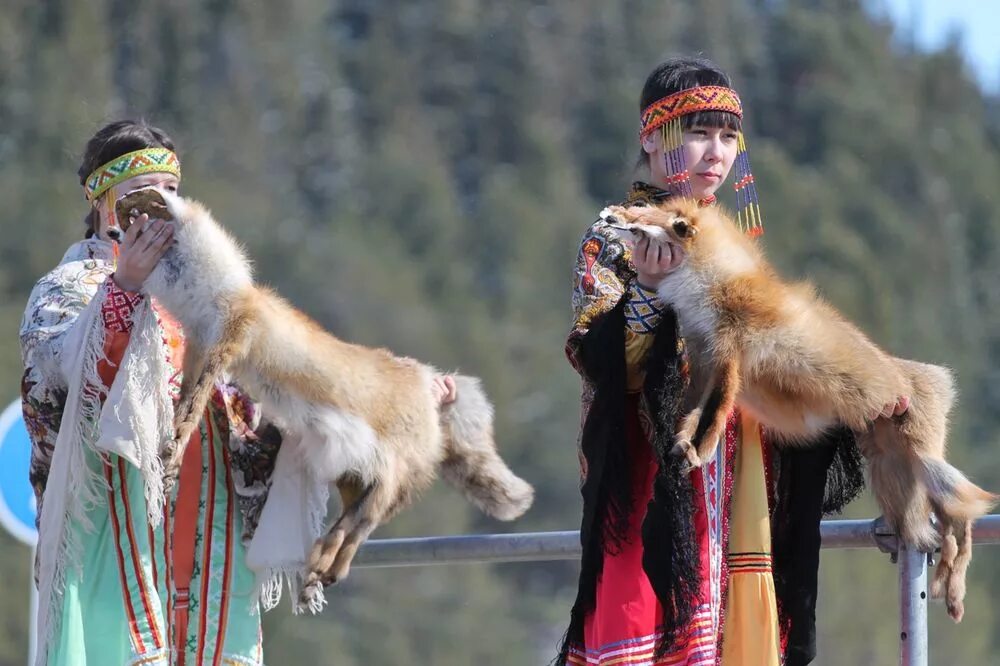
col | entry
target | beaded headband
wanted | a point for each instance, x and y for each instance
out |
(665, 114)
(692, 100)
(136, 163)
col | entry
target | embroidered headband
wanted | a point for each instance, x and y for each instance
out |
(136, 163)
(665, 114)
(692, 100)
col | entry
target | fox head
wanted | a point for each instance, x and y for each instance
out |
(677, 222)
(148, 200)
(708, 239)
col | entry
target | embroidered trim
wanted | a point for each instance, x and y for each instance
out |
(692, 100)
(227, 565)
(643, 309)
(116, 524)
(118, 308)
(697, 650)
(750, 562)
(239, 661)
(136, 163)
(160, 657)
(208, 526)
(151, 618)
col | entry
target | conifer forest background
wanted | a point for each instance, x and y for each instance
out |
(418, 173)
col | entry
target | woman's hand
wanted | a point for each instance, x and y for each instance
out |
(138, 256)
(654, 261)
(894, 409)
(444, 389)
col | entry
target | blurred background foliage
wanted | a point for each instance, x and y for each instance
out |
(418, 173)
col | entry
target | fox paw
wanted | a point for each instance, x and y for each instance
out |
(684, 449)
(956, 609)
(171, 457)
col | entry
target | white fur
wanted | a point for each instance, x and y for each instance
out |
(221, 266)
(735, 260)
(655, 234)
(204, 280)
(817, 424)
(471, 418)
(686, 292)
(336, 442)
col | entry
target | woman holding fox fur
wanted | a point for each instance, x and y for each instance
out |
(129, 573)
(715, 563)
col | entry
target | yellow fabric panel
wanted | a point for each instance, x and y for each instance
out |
(636, 347)
(750, 634)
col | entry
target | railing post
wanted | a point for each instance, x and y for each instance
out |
(912, 607)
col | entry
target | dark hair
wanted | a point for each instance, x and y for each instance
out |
(681, 73)
(114, 140)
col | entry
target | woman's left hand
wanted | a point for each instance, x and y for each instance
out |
(654, 261)
(444, 389)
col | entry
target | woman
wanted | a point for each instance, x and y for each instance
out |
(677, 567)
(127, 576)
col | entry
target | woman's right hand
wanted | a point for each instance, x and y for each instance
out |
(653, 262)
(139, 255)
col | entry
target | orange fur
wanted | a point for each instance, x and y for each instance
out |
(802, 369)
(375, 428)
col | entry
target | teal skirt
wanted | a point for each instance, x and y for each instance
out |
(122, 604)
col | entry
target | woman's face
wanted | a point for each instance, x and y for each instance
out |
(166, 181)
(709, 153)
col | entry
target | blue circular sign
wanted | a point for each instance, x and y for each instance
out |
(17, 498)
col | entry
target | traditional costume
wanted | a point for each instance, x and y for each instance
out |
(127, 575)
(715, 566)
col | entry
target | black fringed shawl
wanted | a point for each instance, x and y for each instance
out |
(670, 555)
(810, 482)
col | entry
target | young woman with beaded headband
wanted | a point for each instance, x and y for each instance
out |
(715, 566)
(125, 575)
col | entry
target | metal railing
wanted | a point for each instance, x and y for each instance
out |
(548, 546)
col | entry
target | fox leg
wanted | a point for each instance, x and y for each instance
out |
(683, 445)
(196, 389)
(946, 561)
(194, 364)
(955, 593)
(371, 511)
(325, 550)
(953, 563)
(698, 436)
(331, 557)
(173, 452)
